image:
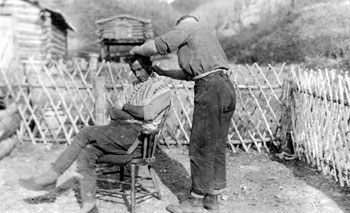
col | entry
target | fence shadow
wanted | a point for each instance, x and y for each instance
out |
(314, 178)
(173, 175)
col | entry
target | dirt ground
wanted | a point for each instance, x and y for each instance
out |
(256, 183)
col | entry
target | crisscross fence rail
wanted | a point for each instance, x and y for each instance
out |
(56, 101)
(321, 121)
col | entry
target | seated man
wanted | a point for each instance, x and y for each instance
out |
(145, 107)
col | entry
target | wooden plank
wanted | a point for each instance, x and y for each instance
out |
(36, 33)
(29, 19)
(62, 40)
(100, 104)
(28, 27)
(57, 47)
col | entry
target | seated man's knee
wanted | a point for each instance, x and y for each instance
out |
(83, 133)
(87, 159)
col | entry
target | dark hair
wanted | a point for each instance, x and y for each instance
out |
(146, 60)
(184, 17)
(143, 60)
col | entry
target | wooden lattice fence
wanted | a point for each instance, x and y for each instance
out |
(56, 102)
(321, 121)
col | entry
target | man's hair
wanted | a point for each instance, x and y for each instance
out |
(143, 60)
(146, 60)
(184, 17)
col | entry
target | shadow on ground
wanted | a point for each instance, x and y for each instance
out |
(315, 179)
(51, 196)
(173, 175)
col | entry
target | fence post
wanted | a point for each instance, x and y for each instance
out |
(286, 117)
(93, 65)
(93, 61)
(100, 101)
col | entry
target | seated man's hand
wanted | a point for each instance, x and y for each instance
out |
(118, 114)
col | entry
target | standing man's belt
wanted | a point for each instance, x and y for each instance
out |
(208, 73)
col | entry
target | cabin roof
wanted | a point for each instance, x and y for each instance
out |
(56, 15)
(59, 17)
(101, 21)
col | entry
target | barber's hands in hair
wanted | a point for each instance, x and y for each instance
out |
(158, 70)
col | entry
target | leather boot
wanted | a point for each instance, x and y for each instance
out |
(89, 208)
(44, 182)
(191, 205)
(211, 202)
(88, 193)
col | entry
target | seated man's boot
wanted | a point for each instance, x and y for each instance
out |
(89, 208)
(211, 202)
(44, 182)
(191, 205)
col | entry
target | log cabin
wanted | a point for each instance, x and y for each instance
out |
(39, 32)
(122, 30)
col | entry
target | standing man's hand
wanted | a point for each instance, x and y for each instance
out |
(135, 50)
(158, 70)
(146, 49)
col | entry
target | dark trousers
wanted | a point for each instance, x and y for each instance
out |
(91, 143)
(214, 105)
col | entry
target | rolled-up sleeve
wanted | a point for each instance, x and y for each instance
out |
(157, 105)
(170, 41)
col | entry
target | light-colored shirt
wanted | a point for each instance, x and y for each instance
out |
(154, 95)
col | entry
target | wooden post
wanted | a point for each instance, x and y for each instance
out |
(100, 101)
(286, 117)
(93, 66)
(93, 61)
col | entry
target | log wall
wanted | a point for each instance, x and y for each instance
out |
(125, 28)
(34, 32)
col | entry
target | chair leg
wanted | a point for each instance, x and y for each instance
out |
(133, 201)
(154, 179)
(121, 173)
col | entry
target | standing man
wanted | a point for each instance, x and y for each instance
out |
(202, 60)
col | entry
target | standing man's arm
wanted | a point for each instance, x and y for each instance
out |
(163, 45)
(147, 49)
(175, 74)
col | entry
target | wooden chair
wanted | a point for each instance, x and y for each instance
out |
(147, 142)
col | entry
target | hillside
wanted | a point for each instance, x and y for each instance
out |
(270, 31)
(84, 13)
(229, 17)
(264, 31)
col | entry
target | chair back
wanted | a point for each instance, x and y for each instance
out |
(151, 139)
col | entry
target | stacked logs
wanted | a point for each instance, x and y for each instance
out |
(9, 123)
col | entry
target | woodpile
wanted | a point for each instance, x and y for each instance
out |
(9, 123)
